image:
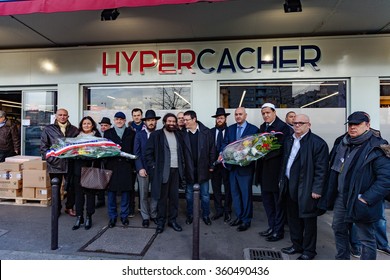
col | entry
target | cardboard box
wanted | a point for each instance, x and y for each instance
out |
(29, 192)
(43, 193)
(15, 175)
(10, 166)
(21, 159)
(10, 184)
(34, 165)
(5, 193)
(36, 179)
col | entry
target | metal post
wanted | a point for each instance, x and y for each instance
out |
(55, 189)
(195, 228)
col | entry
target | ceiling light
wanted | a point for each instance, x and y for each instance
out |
(109, 14)
(292, 6)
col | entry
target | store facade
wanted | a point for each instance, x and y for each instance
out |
(323, 77)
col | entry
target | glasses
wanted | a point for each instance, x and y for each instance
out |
(299, 123)
(187, 120)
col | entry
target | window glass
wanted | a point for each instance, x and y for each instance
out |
(294, 94)
(385, 108)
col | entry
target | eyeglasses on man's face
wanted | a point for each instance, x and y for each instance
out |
(299, 123)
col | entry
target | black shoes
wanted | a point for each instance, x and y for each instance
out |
(266, 233)
(112, 223)
(159, 229)
(304, 257)
(274, 237)
(88, 222)
(189, 220)
(145, 223)
(227, 218)
(235, 223)
(207, 221)
(291, 251)
(125, 221)
(155, 220)
(216, 216)
(79, 221)
(384, 250)
(175, 226)
(243, 227)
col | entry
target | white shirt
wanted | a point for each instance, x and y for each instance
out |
(294, 151)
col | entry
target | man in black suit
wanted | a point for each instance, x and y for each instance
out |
(220, 173)
(268, 171)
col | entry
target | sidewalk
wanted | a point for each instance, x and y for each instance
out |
(25, 233)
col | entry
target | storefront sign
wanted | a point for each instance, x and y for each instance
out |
(284, 58)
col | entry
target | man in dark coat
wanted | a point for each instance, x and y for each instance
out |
(123, 170)
(164, 157)
(268, 174)
(241, 177)
(9, 137)
(304, 177)
(359, 180)
(200, 148)
(58, 168)
(220, 174)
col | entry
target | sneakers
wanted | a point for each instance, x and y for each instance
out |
(356, 252)
(385, 251)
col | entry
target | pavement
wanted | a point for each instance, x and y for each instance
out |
(25, 234)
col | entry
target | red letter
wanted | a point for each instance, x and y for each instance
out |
(161, 64)
(107, 66)
(188, 64)
(143, 65)
(129, 60)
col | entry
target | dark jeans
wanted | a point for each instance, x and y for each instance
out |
(218, 176)
(70, 195)
(112, 206)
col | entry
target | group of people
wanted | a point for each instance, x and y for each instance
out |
(299, 181)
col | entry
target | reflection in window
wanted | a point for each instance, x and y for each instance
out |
(385, 93)
(123, 97)
(297, 94)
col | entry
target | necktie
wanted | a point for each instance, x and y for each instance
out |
(238, 136)
(266, 127)
(219, 140)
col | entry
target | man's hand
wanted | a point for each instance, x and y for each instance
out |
(143, 173)
(315, 195)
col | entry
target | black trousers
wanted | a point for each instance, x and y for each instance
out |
(80, 195)
(70, 195)
(218, 176)
(303, 231)
(169, 191)
(275, 211)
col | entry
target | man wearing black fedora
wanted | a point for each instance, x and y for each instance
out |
(148, 210)
(105, 124)
(220, 174)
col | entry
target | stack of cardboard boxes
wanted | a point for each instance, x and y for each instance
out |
(24, 177)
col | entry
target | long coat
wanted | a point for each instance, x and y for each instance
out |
(314, 161)
(205, 157)
(141, 138)
(122, 176)
(155, 159)
(268, 167)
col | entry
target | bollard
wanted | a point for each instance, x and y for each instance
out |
(195, 227)
(55, 189)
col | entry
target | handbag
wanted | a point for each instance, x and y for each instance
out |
(95, 178)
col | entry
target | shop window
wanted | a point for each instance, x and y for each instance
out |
(294, 94)
(385, 93)
(385, 108)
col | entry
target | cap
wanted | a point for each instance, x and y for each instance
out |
(268, 105)
(150, 114)
(120, 115)
(105, 120)
(220, 112)
(357, 118)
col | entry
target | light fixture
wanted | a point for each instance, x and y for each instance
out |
(292, 6)
(109, 14)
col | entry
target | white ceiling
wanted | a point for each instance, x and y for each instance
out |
(233, 19)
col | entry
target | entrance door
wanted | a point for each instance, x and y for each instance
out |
(38, 107)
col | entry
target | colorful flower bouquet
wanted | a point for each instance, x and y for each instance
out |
(86, 146)
(242, 152)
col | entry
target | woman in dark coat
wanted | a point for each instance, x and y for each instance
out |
(87, 127)
(121, 179)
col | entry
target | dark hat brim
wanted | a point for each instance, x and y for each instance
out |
(226, 114)
(155, 118)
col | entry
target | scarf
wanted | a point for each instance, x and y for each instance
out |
(120, 130)
(63, 127)
(3, 123)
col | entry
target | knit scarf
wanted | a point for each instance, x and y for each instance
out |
(120, 131)
(63, 127)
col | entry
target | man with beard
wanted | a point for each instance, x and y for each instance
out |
(268, 173)
(148, 211)
(241, 177)
(220, 174)
(165, 161)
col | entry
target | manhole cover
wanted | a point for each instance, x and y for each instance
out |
(121, 240)
(262, 254)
